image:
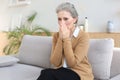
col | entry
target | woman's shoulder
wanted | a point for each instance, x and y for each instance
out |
(83, 34)
(56, 34)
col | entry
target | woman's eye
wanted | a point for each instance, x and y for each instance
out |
(65, 19)
(59, 19)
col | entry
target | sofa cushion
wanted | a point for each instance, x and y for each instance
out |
(35, 50)
(20, 72)
(115, 66)
(100, 56)
(8, 60)
(117, 77)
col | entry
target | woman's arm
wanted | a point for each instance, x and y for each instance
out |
(56, 55)
(73, 57)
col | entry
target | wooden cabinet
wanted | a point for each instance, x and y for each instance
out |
(93, 35)
(99, 35)
(3, 41)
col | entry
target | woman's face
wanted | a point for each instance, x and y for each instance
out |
(65, 18)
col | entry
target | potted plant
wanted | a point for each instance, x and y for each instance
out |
(15, 36)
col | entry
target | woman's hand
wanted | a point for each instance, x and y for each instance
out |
(64, 31)
(60, 33)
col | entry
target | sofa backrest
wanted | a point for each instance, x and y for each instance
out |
(100, 56)
(36, 50)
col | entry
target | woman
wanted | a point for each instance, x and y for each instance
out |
(69, 50)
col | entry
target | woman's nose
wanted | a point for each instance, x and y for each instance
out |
(62, 22)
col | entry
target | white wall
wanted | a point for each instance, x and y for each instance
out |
(97, 11)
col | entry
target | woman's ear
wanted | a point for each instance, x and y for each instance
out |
(75, 20)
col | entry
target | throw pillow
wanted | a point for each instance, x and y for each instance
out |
(100, 56)
(35, 50)
(7, 61)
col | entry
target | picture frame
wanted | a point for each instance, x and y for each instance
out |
(13, 3)
(23, 1)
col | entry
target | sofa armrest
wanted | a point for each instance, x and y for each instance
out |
(7, 60)
(115, 65)
(14, 55)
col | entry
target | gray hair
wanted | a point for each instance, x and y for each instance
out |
(69, 8)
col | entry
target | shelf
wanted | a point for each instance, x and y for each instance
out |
(99, 35)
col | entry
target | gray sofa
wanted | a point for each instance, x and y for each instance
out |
(34, 53)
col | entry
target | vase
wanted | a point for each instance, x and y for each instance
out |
(110, 27)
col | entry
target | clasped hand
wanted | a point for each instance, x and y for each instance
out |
(64, 31)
